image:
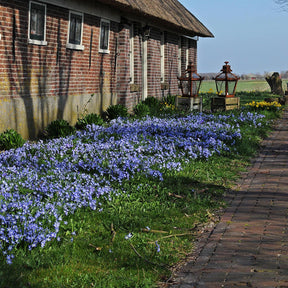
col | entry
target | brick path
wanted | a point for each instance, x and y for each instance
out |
(249, 246)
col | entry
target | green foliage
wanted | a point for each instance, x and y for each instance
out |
(88, 120)
(257, 96)
(115, 111)
(170, 100)
(141, 110)
(10, 139)
(100, 253)
(245, 97)
(264, 105)
(206, 100)
(156, 107)
(59, 128)
(152, 102)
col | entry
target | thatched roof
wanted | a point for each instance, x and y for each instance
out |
(170, 13)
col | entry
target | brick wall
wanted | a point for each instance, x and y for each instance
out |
(192, 51)
(171, 64)
(138, 59)
(153, 59)
(31, 71)
(124, 94)
(39, 84)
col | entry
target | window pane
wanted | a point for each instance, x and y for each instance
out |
(78, 29)
(75, 31)
(37, 21)
(72, 29)
(104, 39)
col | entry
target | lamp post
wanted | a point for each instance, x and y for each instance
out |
(226, 82)
(190, 82)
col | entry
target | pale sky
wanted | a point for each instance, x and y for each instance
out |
(251, 34)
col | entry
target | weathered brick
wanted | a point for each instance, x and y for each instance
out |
(52, 70)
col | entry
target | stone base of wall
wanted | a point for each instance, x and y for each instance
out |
(29, 116)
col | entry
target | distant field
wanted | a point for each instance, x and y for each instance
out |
(242, 85)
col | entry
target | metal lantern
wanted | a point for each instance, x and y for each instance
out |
(190, 82)
(226, 82)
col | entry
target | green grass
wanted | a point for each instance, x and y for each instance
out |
(242, 86)
(247, 91)
(100, 256)
(245, 97)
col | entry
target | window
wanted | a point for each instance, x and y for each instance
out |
(162, 57)
(131, 53)
(75, 31)
(104, 36)
(179, 56)
(37, 23)
(187, 53)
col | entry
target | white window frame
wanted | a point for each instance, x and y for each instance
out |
(179, 56)
(131, 52)
(162, 56)
(101, 50)
(74, 46)
(37, 41)
(187, 53)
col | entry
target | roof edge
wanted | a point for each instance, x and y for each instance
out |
(180, 29)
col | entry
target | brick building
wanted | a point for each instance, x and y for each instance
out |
(54, 54)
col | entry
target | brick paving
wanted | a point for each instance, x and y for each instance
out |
(249, 245)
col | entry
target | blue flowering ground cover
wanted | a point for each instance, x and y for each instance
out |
(42, 183)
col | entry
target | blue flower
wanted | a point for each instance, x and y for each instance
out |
(9, 259)
(129, 236)
(157, 246)
(42, 182)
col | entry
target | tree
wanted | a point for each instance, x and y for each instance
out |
(275, 84)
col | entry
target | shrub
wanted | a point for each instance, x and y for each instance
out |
(10, 139)
(115, 111)
(88, 120)
(141, 110)
(152, 102)
(154, 105)
(59, 128)
(168, 104)
(169, 100)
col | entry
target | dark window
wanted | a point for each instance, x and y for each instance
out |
(37, 21)
(75, 29)
(104, 35)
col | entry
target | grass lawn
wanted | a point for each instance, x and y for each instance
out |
(242, 86)
(120, 205)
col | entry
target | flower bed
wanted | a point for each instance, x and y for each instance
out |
(41, 184)
(263, 105)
